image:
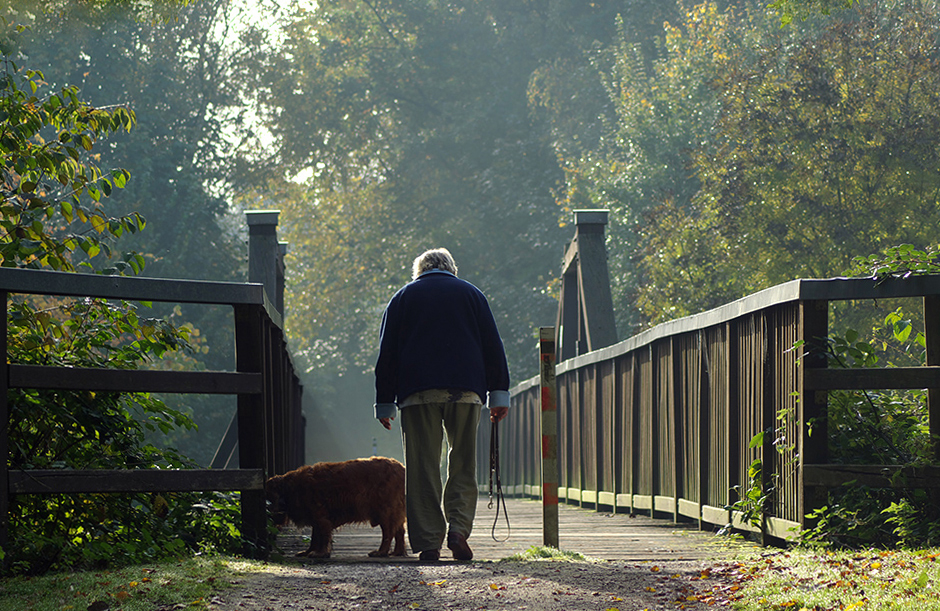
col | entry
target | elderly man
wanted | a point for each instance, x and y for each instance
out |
(440, 356)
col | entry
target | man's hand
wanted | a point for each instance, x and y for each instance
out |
(498, 413)
(386, 422)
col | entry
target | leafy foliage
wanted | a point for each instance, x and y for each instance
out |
(901, 261)
(804, 9)
(44, 145)
(877, 427)
(744, 155)
(52, 211)
(180, 77)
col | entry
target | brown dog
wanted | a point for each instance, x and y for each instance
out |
(328, 495)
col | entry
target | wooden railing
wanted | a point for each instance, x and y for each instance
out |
(269, 418)
(663, 422)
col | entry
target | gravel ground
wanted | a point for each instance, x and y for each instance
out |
(539, 585)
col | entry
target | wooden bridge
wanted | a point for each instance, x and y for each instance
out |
(266, 436)
(668, 422)
(659, 425)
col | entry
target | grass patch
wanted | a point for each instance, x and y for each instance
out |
(188, 582)
(821, 580)
(543, 552)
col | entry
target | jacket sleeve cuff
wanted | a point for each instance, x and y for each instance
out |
(385, 410)
(497, 398)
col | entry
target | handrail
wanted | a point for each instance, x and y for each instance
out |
(265, 381)
(662, 421)
(804, 289)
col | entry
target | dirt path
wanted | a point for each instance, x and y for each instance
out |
(538, 585)
(634, 563)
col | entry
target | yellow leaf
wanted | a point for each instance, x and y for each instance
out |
(98, 223)
(414, 605)
(650, 589)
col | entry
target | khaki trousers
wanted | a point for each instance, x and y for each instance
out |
(422, 428)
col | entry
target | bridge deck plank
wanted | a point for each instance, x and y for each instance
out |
(597, 535)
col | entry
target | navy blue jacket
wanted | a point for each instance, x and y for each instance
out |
(438, 332)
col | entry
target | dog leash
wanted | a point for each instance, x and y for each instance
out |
(494, 474)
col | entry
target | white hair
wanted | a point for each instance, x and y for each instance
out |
(437, 258)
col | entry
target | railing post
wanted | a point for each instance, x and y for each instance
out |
(249, 358)
(768, 422)
(675, 416)
(704, 430)
(932, 337)
(264, 252)
(549, 418)
(282, 249)
(814, 430)
(265, 267)
(4, 428)
(733, 442)
(586, 316)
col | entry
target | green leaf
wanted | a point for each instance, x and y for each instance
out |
(120, 178)
(902, 330)
(756, 441)
(66, 209)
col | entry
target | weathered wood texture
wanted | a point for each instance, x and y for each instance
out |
(271, 438)
(663, 422)
(603, 536)
(49, 481)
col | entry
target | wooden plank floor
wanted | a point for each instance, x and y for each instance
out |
(597, 535)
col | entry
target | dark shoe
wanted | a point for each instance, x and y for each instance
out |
(430, 555)
(457, 543)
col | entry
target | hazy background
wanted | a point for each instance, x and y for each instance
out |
(732, 153)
